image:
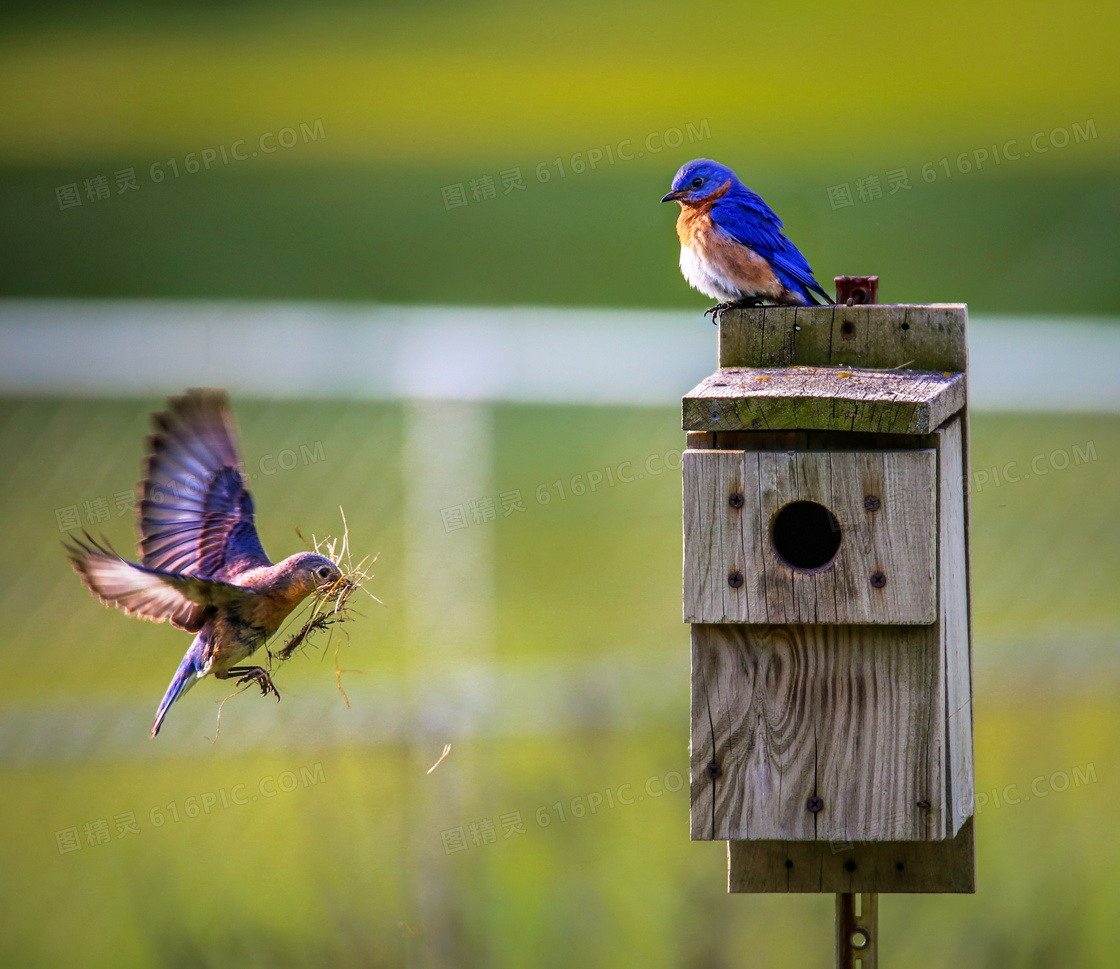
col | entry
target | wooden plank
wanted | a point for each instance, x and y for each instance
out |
(823, 398)
(895, 540)
(850, 714)
(924, 337)
(838, 866)
(954, 622)
(731, 540)
(700, 440)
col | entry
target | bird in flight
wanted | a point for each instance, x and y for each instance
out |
(732, 245)
(202, 567)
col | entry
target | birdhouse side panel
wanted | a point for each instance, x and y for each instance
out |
(954, 612)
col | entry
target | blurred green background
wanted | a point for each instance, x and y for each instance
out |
(389, 106)
(587, 654)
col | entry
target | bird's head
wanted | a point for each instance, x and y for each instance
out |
(698, 180)
(311, 572)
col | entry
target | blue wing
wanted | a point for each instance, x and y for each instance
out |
(744, 216)
(196, 518)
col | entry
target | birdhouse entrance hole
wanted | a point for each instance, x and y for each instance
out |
(806, 535)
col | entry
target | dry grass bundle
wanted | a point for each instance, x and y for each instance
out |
(330, 606)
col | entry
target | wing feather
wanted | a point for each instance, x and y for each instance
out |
(744, 216)
(195, 515)
(160, 596)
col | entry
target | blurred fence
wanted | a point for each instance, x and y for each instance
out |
(526, 354)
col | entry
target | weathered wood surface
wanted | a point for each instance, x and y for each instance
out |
(838, 866)
(853, 715)
(923, 337)
(895, 540)
(954, 622)
(823, 398)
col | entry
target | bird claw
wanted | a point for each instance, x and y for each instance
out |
(260, 676)
(744, 302)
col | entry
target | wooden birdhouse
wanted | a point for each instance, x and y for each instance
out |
(826, 581)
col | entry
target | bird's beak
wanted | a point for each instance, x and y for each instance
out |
(680, 193)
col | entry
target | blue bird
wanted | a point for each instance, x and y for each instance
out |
(732, 245)
(202, 567)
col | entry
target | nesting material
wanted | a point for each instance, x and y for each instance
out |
(331, 605)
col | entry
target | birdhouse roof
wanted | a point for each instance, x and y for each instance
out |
(824, 398)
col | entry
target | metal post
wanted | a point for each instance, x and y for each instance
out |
(857, 931)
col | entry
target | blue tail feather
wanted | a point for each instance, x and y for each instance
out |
(185, 677)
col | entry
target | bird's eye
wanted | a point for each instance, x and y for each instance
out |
(697, 182)
(324, 572)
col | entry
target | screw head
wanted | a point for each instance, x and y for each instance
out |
(872, 503)
(878, 580)
(735, 579)
(713, 770)
(814, 804)
(756, 423)
(736, 500)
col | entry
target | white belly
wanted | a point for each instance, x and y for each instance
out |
(702, 275)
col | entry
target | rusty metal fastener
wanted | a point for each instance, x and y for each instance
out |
(853, 290)
(814, 804)
(736, 500)
(872, 503)
(923, 804)
(713, 770)
(878, 580)
(735, 579)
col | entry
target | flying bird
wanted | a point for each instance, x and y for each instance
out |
(732, 245)
(202, 567)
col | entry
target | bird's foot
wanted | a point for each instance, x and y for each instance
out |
(258, 674)
(743, 302)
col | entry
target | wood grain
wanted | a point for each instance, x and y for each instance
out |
(839, 866)
(924, 337)
(823, 398)
(954, 622)
(850, 714)
(896, 540)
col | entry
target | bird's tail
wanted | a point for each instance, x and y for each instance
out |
(185, 677)
(815, 287)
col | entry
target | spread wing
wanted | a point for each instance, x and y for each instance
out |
(182, 600)
(196, 518)
(744, 216)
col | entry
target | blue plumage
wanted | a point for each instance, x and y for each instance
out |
(202, 567)
(732, 244)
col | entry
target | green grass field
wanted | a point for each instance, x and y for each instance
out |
(343, 868)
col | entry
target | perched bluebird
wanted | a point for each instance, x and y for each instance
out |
(202, 567)
(732, 246)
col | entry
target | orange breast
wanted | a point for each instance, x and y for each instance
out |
(269, 611)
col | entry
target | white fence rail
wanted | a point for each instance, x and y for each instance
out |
(529, 354)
